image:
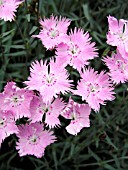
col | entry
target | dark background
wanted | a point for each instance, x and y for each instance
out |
(103, 146)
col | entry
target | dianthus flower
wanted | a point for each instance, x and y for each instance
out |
(77, 50)
(95, 88)
(16, 100)
(7, 125)
(8, 9)
(53, 31)
(33, 139)
(48, 83)
(52, 111)
(79, 115)
(118, 35)
(118, 67)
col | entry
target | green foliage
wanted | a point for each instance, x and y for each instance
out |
(103, 146)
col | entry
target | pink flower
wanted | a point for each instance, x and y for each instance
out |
(117, 35)
(8, 9)
(95, 88)
(118, 67)
(52, 111)
(77, 50)
(79, 115)
(48, 83)
(33, 139)
(53, 31)
(7, 125)
(16, 100)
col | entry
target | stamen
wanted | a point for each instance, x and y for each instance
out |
(53, 33)
(49, 79)
(33, 139)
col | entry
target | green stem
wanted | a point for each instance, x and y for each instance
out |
(102, 162)
(24, 40)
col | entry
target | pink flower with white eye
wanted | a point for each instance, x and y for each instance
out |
(33, 139)
(8, 9)
(16, 100)
(48, 83)
(118, 67)
(53, 31)
(52, 111)
(79, 115)
(77, 50)
(117, 35)
(7, 125)
(95, 88)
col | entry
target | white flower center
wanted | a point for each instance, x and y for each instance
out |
(121, 65)
(33, 139)
(73, 49)
(53, 33)
(42, 108)
(123, 37)
(49, 79)
(15, 99)
(93, 88)
(74, 114)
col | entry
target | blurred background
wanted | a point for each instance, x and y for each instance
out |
(103, 146)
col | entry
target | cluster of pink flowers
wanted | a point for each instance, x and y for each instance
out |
(41, 102)
(15, 104)
(118, 63)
